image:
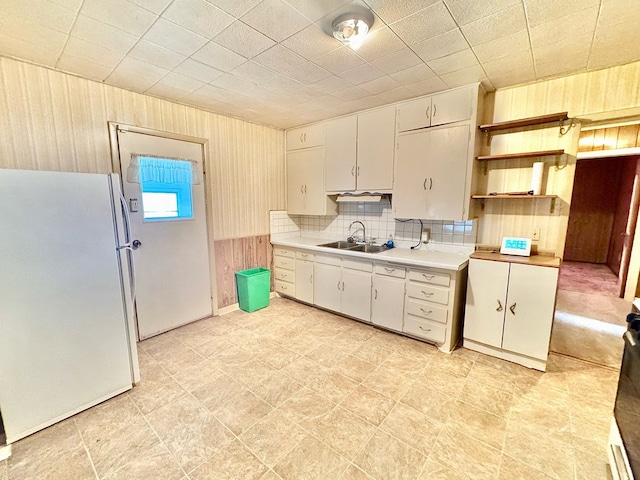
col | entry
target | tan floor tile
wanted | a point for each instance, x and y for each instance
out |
(357, 332)
(302, 344)
(271, 475)
(243, 338)
(303, 370)
(271, 438)
(191, 433)
(384, 339)
(433, 470)
(251, 373)
(457, 451)
(412, 427)
(389, 382)
(592, 465)
(155, 346)
(512, 469)
(387, 458)
(326, 355)
(277, 388)
(307, 408)
(56, 452)
(407, 365)
(333, 385)
(242, 411)
(277, 356)
(356, 368)
(344, 432)
(372, 353)
(493, 377)
(539, 418)
(580, 384)
(156, 464)
(176, 362)
(310, 460)
(456, 362)
(416, 348)
(354, 473)
(230, 356)
(590, 423)
(437, 405)
(155, 389)
(489, 399)
(369, 405)
(218, 392)
(194, 377)
(442, 380)
(544, 395)
(232, 462)
(213, 346)
(478, 424)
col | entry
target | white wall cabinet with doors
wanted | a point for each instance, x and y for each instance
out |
(387, 304)
(433, 306)
(305, 183)
(306, 137)
(360, 151)
(343, 285)
(439, 109)
(510, 306)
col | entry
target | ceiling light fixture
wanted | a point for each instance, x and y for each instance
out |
(351, 28)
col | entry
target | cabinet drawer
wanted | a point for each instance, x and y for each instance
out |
(284, 262)
(427, 292)
(305, 255)
(426, 310)
(429, 276)
(285, 275)
(328, 260)
(285, 288)
(284, 252)
(391, 271)
(424, 329)
(354, 265)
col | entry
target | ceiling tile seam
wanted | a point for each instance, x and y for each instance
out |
(533, 58)
(73, 24)
(595, 30)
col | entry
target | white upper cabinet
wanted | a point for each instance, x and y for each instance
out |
(341, 154)
(305, 183)
(359, 152)
(440, 109)
(305, 137)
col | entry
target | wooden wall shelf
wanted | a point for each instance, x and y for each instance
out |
(509, 156)
(483, 197)
(525, 122)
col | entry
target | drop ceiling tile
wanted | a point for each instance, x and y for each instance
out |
(361, 74)
(615, 46)
(43, 54)
(464, 76)
(565, 30)
(454, 62)
(441, 46)
(467, 11)
(379, 85)
(315, 10)
(500, 66)
(243, 40)
(198, 16)
(72, 4)
(210, 92)
(428, 23)
(167, 92)
(89, 52)
(217, 56)
(85, 68)
(275, 19)
(155, 6)
(339, 60)
(174, 37)
(282, 84)
(393, 10)
(379, 43)
(304, 94)
(132, 68)
(197, 70)
(613, 12)
(30, 34)
(513, 77)
(500, 24)
(331, 84)
(396, 95)
(237, 8)
(235, 84)
(319, 103)
(414, 74)
(362, 104)
(156, 55)
(103, 35)
(560, 66)
(182, 82)
(351, 93)
(311, 42)
(397, 61)
(308, 73)
(503, 46)
(130, 82)
(254, 72)
(425, 87)
(46, 13)
(279, 58)
(543, 11)
(120, 14)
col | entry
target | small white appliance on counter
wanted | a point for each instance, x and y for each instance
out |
(67, 335)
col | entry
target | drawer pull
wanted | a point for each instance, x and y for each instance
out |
(338, 284)
(425, 312)
(283, 275)
(424, 329)
(390, 270)
(311, 278)
(283, 287)
(426, 294)
(375, 296)
(428, 277)
(304, 255)
(513, 308)
(499, 309)
(283, 251)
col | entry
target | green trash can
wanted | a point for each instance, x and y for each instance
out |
(254, 286)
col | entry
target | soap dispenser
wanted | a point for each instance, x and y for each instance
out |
(389, 243)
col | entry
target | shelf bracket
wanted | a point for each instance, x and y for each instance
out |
(561, 166)
(564, 129)
(488, 135)
(552, 208)
(485, 168)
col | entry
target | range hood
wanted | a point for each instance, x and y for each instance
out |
(363, 197)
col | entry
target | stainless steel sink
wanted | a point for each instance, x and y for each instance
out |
(369, 248)
(339, 244)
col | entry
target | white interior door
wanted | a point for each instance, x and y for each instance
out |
(173, 283)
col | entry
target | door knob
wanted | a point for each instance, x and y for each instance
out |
(135, 244)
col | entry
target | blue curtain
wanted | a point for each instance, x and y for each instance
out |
(143, 169)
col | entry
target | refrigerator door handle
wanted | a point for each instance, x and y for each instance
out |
(127, 246)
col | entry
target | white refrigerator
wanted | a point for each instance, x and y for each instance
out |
(67, 330)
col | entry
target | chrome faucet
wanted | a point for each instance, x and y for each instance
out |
(364, 236)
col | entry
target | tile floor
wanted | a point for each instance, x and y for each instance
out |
(291, 392)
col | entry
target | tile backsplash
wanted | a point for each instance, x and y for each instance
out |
(379, 223)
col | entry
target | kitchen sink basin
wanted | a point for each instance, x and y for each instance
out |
(369, 248)
(339, 244)
(355, 247)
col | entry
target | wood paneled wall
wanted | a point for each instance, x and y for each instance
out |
(54, 121)
(610, 138)
(610, 93)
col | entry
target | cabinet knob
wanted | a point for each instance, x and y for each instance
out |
(353, 170)
(435, 110)
(424, 184)
(499, 309)
(513, 308)
(426, 112)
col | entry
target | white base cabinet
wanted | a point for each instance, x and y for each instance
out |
(387, 305)
(304, 276)
(509, 308)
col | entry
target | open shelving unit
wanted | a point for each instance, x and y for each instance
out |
(525, 122)
(509, 156)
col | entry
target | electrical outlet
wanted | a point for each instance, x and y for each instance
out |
(426, 235)
(535, 236)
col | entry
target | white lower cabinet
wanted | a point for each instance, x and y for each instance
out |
(387, 305)
(304, 276)
(509, 309)
(328, 282)
(284, 266)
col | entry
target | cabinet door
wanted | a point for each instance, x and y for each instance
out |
(356, 294)
(327, 286)
(296, 172)
(315, 202)
(414, 114)
(387, 305)
(340, 154)
(529, 310)
(376, 146)
(486, 301)
(411, 178)
(447, 172)
(304, 281)
(449, 107)
(305, 137)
